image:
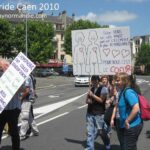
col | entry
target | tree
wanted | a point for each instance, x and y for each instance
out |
(80, 24)
(143, 56)
(40, 34)
(19, 37)
(6, 32)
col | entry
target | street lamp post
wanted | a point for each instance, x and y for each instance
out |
(26, 52)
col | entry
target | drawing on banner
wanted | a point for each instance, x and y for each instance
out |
(125, 53)
(115, 53)
(79, 54)
(93, 58)
(101, 51)
(106, 51)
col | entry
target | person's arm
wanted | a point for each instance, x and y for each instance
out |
(96, 98)
(25, 93)
(131, 99)
(113, 116)
(88, 99)
(134, 111)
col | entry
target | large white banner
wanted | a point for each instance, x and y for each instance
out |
(101, 51)
(13, 78)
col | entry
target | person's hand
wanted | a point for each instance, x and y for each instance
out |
(127, 125)
(90, 93)
(112, 123)
(107, 103)
(89, 97)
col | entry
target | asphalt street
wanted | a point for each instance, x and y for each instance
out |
(60, 113)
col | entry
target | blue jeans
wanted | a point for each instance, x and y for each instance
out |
(96, 123)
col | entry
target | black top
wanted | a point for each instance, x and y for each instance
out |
(96, 108)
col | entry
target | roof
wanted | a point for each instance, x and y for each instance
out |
(12, 15)
(17, 16)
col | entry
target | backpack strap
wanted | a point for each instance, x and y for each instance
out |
(127, 104)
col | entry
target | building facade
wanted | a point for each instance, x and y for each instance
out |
(137, 41)
(60, 24)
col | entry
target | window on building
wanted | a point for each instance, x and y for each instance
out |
(62, 47)
(137, 42)
(62, 57)
(62, 37)
(136, 49)
(58, 27)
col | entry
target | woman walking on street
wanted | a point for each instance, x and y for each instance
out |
(129, 113)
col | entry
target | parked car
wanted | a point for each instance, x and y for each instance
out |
(82, 80)
(43, 73)
(137, 70)
(68, 71)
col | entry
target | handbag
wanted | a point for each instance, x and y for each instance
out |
(108, 114)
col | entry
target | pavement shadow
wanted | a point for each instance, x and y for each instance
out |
(83, 143)
(8, 148)
(97, 145)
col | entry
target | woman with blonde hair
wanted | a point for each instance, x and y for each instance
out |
(129, 112)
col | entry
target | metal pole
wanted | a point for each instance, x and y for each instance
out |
(26, 36)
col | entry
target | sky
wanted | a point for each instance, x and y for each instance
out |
(132, 13)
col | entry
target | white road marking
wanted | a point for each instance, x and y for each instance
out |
(53, 96)
(82, 106)
(45, 121)
(140, 81)
(64, 84)
(41, 88)
(49, 108)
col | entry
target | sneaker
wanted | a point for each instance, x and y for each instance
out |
(148, 135)
(107, 147)
(148, 132)
(34, 134)
(23, 138)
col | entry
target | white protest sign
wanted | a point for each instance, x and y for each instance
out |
(101, 51)
(13, 78)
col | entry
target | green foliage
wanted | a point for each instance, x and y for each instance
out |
(39, 44)
(143, 55)
(77, 25)
(40, 36)
(19, 37)
(13, 37)
(6, 38)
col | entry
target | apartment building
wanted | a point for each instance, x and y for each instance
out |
(136, 42)
(60, 23)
